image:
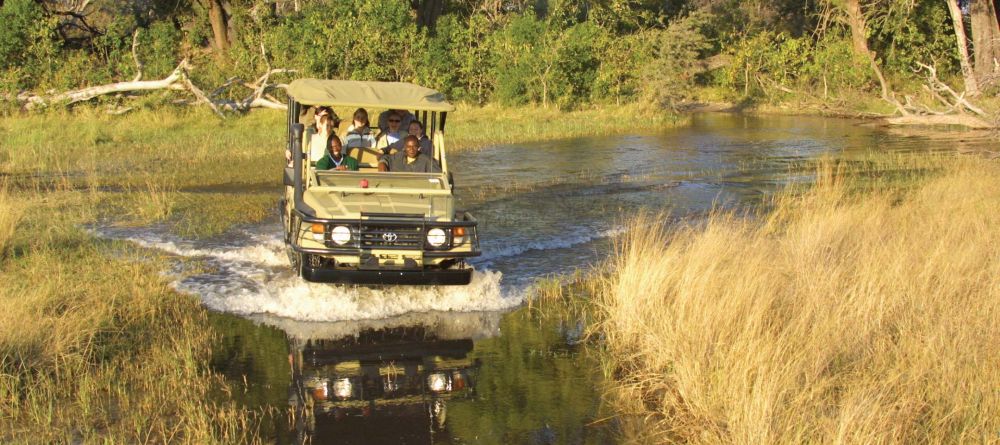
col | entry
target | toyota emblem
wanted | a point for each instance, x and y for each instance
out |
(389, 237)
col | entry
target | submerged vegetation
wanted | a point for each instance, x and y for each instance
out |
(845, 314)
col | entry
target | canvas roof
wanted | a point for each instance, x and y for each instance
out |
(355, 93)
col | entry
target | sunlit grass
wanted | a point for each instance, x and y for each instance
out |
(476, 127)
(95, 346)
(11, 211)
(847, 314)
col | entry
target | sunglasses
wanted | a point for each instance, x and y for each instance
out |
(394, 120)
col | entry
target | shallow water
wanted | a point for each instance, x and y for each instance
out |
(455, 365)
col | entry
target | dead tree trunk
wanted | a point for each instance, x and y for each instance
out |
(985, 41)
(968, 75)
(220, 28)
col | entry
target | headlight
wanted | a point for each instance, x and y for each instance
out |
(438, 382)
(317, 231)
(340, 235)
(342, 388)
(436, 237)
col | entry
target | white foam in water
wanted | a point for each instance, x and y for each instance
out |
(251, 276)
(562, 242)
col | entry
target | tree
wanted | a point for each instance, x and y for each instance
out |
(219, 20)
(968, 75)
(985, 41)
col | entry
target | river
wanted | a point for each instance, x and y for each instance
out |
(473, 364)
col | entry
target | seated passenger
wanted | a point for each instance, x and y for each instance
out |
(391, 139)
(409, 159)
(335, 158)
(405, 118)
(326, 125)
(416, 128)
(359, 134)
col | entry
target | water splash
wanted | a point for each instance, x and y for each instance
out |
(246, 272)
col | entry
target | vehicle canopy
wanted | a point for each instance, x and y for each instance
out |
(356, 93)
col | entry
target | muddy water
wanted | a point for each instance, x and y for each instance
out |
(465, 365)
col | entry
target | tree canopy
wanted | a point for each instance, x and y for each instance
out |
(565, 53)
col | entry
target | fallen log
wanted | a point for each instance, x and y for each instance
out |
(178, 80)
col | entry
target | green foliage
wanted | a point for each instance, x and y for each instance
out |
(834, 66)
(523, 66)
(27, 43)
(371, 40)
(765, 61)
(920, 31)
(567, 53)
(671, 73)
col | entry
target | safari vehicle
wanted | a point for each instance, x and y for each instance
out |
(366, 226)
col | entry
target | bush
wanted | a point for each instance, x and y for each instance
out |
(348, 40)
(27, 43)
(671, 74)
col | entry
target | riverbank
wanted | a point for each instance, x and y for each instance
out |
(860, 311)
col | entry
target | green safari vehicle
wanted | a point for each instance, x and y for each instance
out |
(367, 226)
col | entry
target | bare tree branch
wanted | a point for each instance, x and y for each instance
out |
(135, 56)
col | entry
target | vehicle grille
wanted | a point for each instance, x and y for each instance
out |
(376, 236)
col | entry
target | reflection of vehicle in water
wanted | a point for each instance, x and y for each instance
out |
(382, 385)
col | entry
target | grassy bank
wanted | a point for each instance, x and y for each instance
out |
(94, 346)
(840, 317)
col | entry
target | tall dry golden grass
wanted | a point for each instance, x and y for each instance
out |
(838, 318)
(11, 212)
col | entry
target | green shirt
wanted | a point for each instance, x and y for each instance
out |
(327, 163)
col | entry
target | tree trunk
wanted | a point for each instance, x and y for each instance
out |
(859, 39)
(220, 29)
(971, 87)
(985, 41)
(428, 12)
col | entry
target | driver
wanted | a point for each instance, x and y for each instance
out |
(409, 159)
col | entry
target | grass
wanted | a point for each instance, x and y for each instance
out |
(10, 216)
(95, 346)
(845, 315)
(477, 127)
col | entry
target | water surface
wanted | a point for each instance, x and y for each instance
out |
(464, 364)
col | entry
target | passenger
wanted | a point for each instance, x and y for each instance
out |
(416, 128)
(335, 159)
(326, 125)
(391, 139)
(359, 133)
(409, 159)
(405, 118)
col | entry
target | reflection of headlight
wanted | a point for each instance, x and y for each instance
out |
(438, 382)
(340, 235)
(317, 387)
(342, 388)
(436, 237)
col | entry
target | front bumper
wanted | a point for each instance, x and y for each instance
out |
(459, 276)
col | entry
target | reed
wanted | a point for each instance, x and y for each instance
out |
(845, 315)
(95, 347)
